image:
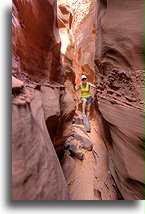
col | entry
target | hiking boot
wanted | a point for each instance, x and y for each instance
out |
(84, 115)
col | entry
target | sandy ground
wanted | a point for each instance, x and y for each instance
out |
(89, 179)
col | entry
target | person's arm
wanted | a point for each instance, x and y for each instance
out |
(93, 86)
(77, 87)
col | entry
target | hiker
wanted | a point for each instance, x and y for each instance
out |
(86, 97)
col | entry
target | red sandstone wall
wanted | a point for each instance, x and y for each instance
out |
(119, 98)
(36, 41)
(40, 103)
(84, 31)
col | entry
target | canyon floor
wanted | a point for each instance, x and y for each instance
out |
(89, 178)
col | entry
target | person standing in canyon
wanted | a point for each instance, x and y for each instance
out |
(86, 97)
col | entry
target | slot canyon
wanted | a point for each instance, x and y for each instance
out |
(56, 153)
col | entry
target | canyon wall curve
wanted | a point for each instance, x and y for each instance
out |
(119, 97)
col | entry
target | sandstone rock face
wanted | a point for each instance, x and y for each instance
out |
(67, 42)
(36, 171)
(67, 110)
(59, 108)
(84, 32)
(17, 85)
(44, 71)
(40, 102)
(77, 28)
(119, 98)
(36, 47)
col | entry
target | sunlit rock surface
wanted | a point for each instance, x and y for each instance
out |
(84, 31)
(64, 14)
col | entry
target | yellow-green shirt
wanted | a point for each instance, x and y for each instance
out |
(85, 92)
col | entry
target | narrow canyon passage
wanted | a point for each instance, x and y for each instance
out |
(89, 47)
(85, 164)
(57, 154)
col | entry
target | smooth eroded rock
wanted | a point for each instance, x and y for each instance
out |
(119, 97)
(36, 171)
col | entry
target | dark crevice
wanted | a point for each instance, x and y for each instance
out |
(51, 124)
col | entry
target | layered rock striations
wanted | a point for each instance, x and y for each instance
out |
(102, 39)
(119, 97)
(84, 32)
(36, 47)
(77, 27)
(65, 17)
(36, 171)
(40, 103)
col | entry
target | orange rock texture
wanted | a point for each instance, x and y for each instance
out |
(77, 27)
(42, 110)
(108, 48)
(64, 14)
(84, 32)
(102, 39)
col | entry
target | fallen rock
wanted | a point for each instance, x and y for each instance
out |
(76, 151)
(77, 120)
(68, 141)
(80, 130)
(84, 121)
(75, 147)
(87, 144)
(87, 124)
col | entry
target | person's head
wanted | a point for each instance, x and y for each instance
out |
(84, 78)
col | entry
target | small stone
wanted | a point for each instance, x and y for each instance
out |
(68, 141)
(77, 120)
(78, 153)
